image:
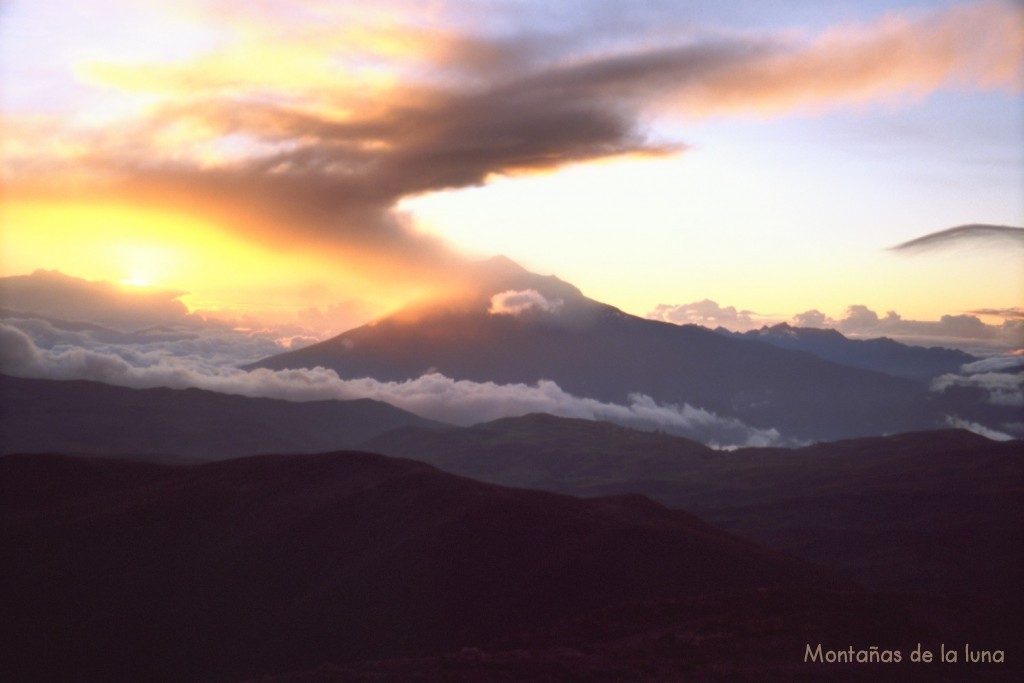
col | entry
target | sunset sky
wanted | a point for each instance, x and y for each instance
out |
(271, 156)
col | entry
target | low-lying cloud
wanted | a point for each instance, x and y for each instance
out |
(107, 312)
(514, 302)
(1001, 378)
(201, 362)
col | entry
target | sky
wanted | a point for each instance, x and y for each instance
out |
(694, 161)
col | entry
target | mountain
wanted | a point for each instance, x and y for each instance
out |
(118, 570)
(40, 416)
(594, 350)
(885, 511)
(540, 451)
(880, 355)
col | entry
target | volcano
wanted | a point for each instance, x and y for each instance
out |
(514, 326)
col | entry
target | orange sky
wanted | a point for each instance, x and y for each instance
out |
(303, 154)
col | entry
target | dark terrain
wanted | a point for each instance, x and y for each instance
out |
(932, 511)
(594, 350)
(40, 416)
(129, 571)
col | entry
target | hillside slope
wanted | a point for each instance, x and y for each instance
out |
(132, 571)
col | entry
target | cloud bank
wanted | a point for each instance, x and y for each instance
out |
(36, 349)
(965, 331)
(111, 312)
(53, 294)
(707, 313)
(1001, 378)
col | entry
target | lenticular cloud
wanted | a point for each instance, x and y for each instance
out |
(432, 395)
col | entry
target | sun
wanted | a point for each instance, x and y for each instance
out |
(136, 282)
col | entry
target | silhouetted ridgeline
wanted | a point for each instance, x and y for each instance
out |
(135, 571)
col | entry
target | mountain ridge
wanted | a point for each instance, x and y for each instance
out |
(240, 568)
(876, 508)
(593, 350)
(881, 354)
(82, 416)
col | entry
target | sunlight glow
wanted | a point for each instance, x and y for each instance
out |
(136, 282)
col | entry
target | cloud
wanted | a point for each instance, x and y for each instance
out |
(965, 331)
(708, 314)
(965, 235)
(202, 363)
(1000, 377)
(900, 54)
(960, 331)
(311, 132)
(514, 302)
(117, 314)
(1008, 313)
(987, 432)
(956, 330)
(53, 294)
(813, 318)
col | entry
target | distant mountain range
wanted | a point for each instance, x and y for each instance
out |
(876, 509)
(594, 350)
(884, 511)
(128, 571)
(48, 416)
(880, 355)
(315, 560)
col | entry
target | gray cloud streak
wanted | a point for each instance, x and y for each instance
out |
(965, 235)
(489, 105)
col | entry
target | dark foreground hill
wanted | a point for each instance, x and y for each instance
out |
(128, 571)
(931, 511)
(594, 350)
(755, 637)
(46, 416)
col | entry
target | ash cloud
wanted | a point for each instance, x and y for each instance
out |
(319, 156)
(31, 349)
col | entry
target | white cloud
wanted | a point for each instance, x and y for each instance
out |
(199, 362)
(964, 331)
(988, 433)
(961, 331)
(514, 302)
(812, 318)
(1002, 377)
(709, 314)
